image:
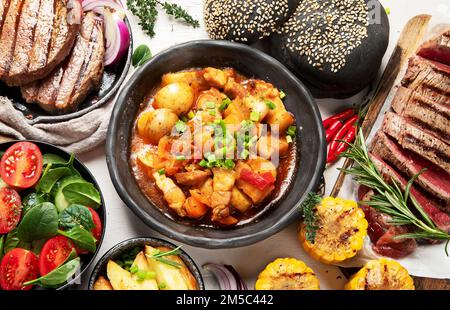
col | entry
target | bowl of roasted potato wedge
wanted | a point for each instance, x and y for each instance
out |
(146, 264)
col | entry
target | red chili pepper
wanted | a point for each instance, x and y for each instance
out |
(331, 131)
(340, 134)
(342, 146)
(260, 181)
(338, 117)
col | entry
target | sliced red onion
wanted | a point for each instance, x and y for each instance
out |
(117, 37)
(227, 276)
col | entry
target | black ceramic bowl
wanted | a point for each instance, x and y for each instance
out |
(311, 144)
(112, 79)
(86, 259)
(127, 245)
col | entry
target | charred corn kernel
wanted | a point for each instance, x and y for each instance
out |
(341, 233)
(381, 274)
(287, 274)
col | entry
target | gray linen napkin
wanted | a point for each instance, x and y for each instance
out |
(77, 135)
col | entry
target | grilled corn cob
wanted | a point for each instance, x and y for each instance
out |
(287, 274)
(341, 232)
(381, 274)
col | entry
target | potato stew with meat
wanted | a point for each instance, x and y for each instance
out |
(211, 147)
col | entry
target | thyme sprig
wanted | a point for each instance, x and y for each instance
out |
(308, 211)
(390, 198)
(147, 12)
(159, 256)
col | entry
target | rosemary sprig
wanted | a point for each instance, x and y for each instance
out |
(391, 199)
(159, 256)
(147, 12)
(308, 210)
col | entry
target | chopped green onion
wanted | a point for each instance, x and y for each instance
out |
(161, 171)
(181, 157)
(134, 269)
(229, 163)
(210, 157)
(225, 103)
(247, 125)
(191, 115)
(162, 286)
(184, 118)
(291, 131)
(289, 139)
(282, 94)
(254, 116)
(212, 112)
(388, 11)
(245, 154)
(203, 163)
(180, 126)
(210, 105)
(270, 104)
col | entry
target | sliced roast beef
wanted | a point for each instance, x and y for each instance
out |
(71, 82)
(423, 111)
(8, 36)
(438, 48)
(441, 219)
(430, 79)
(434, 180)
(42, 37)
(382, 234)
(413, 138)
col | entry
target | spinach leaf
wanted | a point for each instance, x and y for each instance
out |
(82, 193)
(32, 200)
(49, 179)
(59, 275)
(76, 215)
(2, 243)
(12, 241)
(1, 154)
(81, 237)
(40, 222)
(36, 246)
(141, 55)
(53, 159)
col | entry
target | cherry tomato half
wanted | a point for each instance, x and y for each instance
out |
(18, 266)
(21, 165)
(54, 253)
(10, 209)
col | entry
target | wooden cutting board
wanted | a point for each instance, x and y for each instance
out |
(410, 38)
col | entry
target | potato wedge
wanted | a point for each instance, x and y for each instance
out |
(102, 284)
(142, 265)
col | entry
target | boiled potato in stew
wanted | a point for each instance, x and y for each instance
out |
(212, 147)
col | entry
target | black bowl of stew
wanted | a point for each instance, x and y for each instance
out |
(88, 258)
(308, 156)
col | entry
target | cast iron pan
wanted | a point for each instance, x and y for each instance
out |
(127, 245)
(311, 145)
(113, 77)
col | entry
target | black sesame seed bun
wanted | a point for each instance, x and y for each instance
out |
(332, 47)
(246, 21)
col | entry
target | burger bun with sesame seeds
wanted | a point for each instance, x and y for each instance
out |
(332, 46)
(246, 21)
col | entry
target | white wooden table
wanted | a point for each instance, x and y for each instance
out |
(249, 261)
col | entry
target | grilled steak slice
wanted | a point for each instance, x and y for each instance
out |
(43, 38)
(24, 37)
(412, 138)
(438, 48)
(4, 4)
(441, 219)
(434, 180)
(430, 79)
(382, 234)
(70, 83)
(8, 36)
(425, 112)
